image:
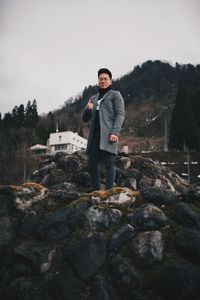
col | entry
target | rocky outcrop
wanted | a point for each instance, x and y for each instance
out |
(139, 240)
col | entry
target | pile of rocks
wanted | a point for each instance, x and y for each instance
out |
(139, 240)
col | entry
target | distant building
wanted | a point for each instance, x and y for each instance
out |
(39, 149)
(66, 141)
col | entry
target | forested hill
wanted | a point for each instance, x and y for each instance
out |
(152, 92)
(149, 92)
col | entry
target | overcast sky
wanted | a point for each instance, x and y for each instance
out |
(51, 49)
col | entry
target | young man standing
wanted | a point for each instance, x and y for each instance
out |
(105, 111)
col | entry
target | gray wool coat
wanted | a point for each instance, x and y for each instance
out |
(111, 117)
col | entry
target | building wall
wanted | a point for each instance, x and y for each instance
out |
(66, 141)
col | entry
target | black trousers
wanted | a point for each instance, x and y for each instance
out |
(95, 159)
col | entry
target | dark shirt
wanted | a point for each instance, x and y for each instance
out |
(96, 120)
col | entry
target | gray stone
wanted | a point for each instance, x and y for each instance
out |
(187, 216)
(150, 217)
(120, 238)
(4, 203)
(124, 163)
(7, 232)
(64, 285)
(158, 196)
(37, 253)
(101, 219)
(134, 173)
(121, 198)
(187, 242)
(87, 255)
(26, 288)
(179, 281)
(124, 276)
(70, 164)
(82, 179)
(194, 193)
(148, 247)
(145, 183)
(102, 290)
(56, 225)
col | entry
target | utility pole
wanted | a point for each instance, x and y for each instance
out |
(166, 137)
(188, 164)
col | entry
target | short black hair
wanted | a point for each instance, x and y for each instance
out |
(106, 71)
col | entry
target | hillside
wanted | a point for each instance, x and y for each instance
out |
(152, 96)
(149, 92)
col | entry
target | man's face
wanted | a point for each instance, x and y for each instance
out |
(104, 81)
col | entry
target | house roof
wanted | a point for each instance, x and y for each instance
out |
(38, 147)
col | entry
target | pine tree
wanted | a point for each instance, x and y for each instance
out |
(184, 126)
(28, 113)
(21, 115)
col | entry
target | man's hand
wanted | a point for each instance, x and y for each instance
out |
(113, 138)
(90, 104)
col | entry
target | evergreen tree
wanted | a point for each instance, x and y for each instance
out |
(28, 113)
(15, 120)
(184, 126)
(7, 120)
(34, 116)
(21, 115)
(31, 114)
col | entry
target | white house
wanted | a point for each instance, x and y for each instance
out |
(66, 141)
(39, 149)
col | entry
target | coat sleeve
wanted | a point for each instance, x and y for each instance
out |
(119, 112)
(86, 114)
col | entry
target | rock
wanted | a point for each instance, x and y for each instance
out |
(124, 276)
(71, 164)
(121, 198)
(63, 241)
(131, 183)
(187, 242)
(119, 176)
(137, 162)
(102, 290)
(120, 238)
(158, 196)
(87, 255)
(28, 224)
(145, 183)
(150, 169)
(134, 173)
(47, 168)
(64, 285)
(101, 219)
(124, 163)
(194, 193)
(182, 189)
(26, 288)
(55, 226)
(66, 197)
(148, 247)
(7, 231)
(56, 176)
(180, 281)
(4, 205)
(187, 216)
(6, 190)
(150, 217)
(82, 179)
(37, 253)
(28, 194)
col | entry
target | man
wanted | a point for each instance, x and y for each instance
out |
(105, 111)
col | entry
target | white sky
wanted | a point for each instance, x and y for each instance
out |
(51, 49)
